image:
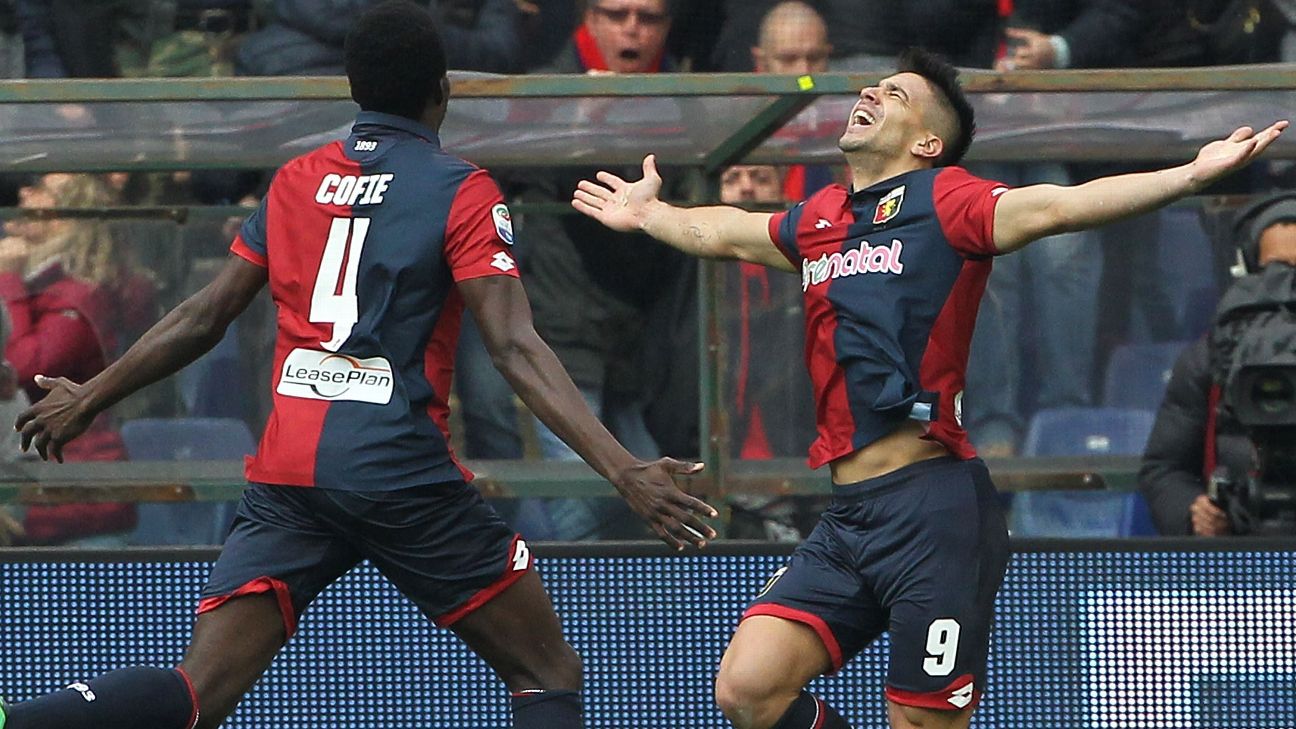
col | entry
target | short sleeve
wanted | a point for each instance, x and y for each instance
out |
(782, 231)
(479, 231)
(250, 243)
(783, 226)
(965, 206)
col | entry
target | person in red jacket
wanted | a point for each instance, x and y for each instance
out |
(60, 329)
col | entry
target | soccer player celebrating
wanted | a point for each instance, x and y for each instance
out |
(371, 247)
(892, 270)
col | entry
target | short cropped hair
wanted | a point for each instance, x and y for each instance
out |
(395, 60)
(944, 77)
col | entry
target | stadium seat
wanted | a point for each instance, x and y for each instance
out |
(1080, 514)
(1137, 375)
(184, 439)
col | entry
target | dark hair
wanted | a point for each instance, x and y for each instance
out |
(944, 77)
(395, 60)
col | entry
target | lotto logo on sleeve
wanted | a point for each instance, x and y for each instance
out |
(330, 376)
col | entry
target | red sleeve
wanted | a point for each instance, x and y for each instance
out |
(965, 206)
(479, 231)
(250, 243)
(244, 251)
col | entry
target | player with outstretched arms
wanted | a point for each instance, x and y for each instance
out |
(371, 247)
(892, 269)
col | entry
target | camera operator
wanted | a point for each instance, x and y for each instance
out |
(1194, 438)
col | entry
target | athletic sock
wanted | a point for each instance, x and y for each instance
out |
(539, 709)
(810, 712)
(128, 698)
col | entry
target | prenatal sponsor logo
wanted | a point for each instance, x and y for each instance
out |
(864, 259)
(331, 376)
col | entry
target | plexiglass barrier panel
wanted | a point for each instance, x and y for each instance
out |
(1098, 126)
(547, 131)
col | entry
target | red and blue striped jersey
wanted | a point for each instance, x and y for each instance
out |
(892, 276)
(364, 240)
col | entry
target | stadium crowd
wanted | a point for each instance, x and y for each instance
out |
(621, 314)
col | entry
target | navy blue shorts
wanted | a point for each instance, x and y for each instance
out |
(441, 545)
(919, 552)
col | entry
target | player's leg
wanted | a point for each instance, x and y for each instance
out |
(764, 672)
(450, 553)
(232, 645)
(811, 616)
(282, 551)
(276, 560)
(518, 634)
(940, 565)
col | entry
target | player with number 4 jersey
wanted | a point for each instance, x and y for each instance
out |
(372, 247)
(892, 271)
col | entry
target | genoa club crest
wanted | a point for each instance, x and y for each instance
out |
(889, 206)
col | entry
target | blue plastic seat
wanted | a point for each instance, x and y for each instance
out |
(1081, 432)
(1137, 375)
(185, 439)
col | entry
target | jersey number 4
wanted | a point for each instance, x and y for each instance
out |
(334, 299)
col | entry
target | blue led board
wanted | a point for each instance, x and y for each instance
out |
(1086, 637)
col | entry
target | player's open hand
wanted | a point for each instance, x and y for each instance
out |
(618, 204)
(676, 517)
(59, 417)
(1236, 151)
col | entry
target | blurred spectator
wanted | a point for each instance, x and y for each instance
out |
(618, 36)
(68, 38)
(770, 397)
(485, 399)
(1042, 34)
(866, 35)
(1051, 289)
(1213, 32)
(12, 402)
(59, 326)
(93, 251)
(793, 39)
(546, 25)
(593, 291)
(695, 26)
(196, 38)
(12, 64)
(1193, 435)
(304, 37)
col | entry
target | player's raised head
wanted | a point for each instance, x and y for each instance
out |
(951, 116)
(395, 61)
(921, 111)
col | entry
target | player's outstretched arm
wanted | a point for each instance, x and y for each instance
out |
(717, 231)
(1026, 214)
(500, 306)
(189, 330)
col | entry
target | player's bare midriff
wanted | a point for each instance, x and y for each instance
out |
(889, 453)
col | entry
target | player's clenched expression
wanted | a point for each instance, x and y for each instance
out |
(891, 119)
